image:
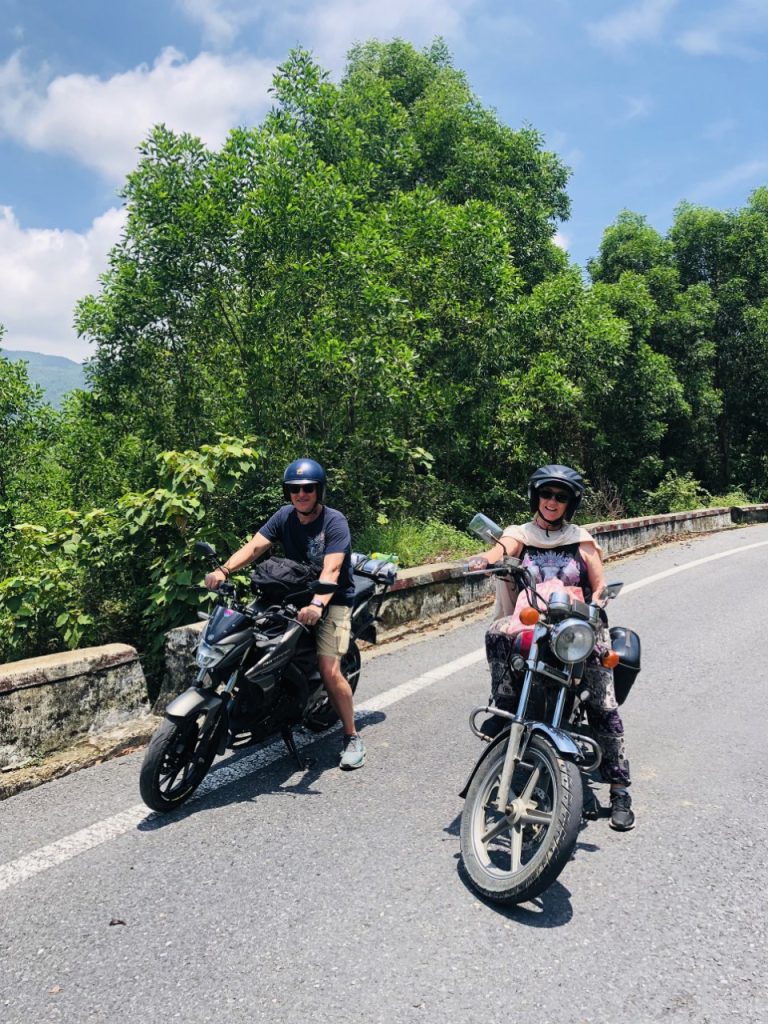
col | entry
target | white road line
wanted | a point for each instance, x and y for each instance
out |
(420, 683)
(690, 565)
(19, 870)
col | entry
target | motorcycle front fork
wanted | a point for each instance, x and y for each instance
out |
(518, 737)
(517, 733)
(515, 746)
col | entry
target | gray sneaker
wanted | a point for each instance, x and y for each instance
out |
(352, 753)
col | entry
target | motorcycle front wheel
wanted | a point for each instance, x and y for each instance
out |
(512, 857)
(177, 760)
(323, 715)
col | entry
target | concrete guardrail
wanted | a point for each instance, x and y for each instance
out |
(78, 707)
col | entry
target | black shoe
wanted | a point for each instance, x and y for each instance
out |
(622, 815)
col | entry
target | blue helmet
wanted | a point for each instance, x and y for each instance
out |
(305, 471)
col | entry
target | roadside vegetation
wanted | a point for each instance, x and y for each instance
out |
(369, 277)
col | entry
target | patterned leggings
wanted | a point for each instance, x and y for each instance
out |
(602, 707)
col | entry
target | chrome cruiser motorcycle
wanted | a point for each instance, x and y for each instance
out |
(258, 678)
(524, 799)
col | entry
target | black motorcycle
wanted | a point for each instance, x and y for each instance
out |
(524, 799)
(258, 678)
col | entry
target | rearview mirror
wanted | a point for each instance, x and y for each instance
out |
(610, 591)
(207, 550)
(485, 528)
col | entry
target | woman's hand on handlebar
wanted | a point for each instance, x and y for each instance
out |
(477, 563)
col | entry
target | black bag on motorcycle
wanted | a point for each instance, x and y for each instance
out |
(274, 579)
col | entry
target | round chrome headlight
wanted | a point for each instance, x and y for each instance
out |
(572, 640)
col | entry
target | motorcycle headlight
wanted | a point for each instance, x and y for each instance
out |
(206, 654)
(572, 640)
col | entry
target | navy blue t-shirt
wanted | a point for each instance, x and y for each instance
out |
(326, 535)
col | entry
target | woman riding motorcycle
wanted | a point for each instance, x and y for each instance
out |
(553, 548)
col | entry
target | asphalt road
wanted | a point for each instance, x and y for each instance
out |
(280, 896)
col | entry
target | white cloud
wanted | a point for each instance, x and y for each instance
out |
(43, 273)
(331, 27)
(641, 23)
(637, 106)
(100, 122)
(633, 108)
(562, 241)
(221, 23)
(334, 26)
(750, 172)
(729, 30)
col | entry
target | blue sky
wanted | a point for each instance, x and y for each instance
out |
(649, 102)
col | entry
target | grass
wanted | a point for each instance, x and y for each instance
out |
(417, 543)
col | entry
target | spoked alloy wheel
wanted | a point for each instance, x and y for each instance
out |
(513, 857)
(177, 760)
(324, 715)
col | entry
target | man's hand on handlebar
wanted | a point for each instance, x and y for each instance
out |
(309, 615)
(213, 580)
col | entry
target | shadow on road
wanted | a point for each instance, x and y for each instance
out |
(552, 909)
(281, 775)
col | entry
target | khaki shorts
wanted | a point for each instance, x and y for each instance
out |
(334, 630)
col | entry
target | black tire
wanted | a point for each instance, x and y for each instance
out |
(522, 859)
(323, 715)
(177, 760)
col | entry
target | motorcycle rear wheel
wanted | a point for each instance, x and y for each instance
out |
(324, 714)
(513, 861)
(177, 760)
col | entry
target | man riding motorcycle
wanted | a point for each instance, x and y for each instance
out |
(314, 533)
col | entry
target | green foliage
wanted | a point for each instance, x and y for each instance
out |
(125, 570)
(369, 277)
(707, 293)
(32, 483)
(416, 543)
(737, 496)
(339, 280)
(676, 493)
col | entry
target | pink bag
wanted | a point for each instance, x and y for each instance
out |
(511, 624)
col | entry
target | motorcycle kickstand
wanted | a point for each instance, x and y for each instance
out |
(290, 742)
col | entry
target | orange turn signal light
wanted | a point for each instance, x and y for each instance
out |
(529, 616)
(610, 659)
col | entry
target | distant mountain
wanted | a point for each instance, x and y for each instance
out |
(55, 374)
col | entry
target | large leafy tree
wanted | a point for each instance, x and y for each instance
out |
(339, 280)
(707, 289)
(32, 484)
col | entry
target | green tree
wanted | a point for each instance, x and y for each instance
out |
(338, 280)
(31, 481)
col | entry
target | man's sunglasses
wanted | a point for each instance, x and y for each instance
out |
(562, 497)
(306, 488)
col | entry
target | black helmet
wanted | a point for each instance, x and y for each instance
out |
(561, 476)
(305, 471)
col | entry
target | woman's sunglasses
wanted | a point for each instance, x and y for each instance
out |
(560, 496)
(306, 488)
